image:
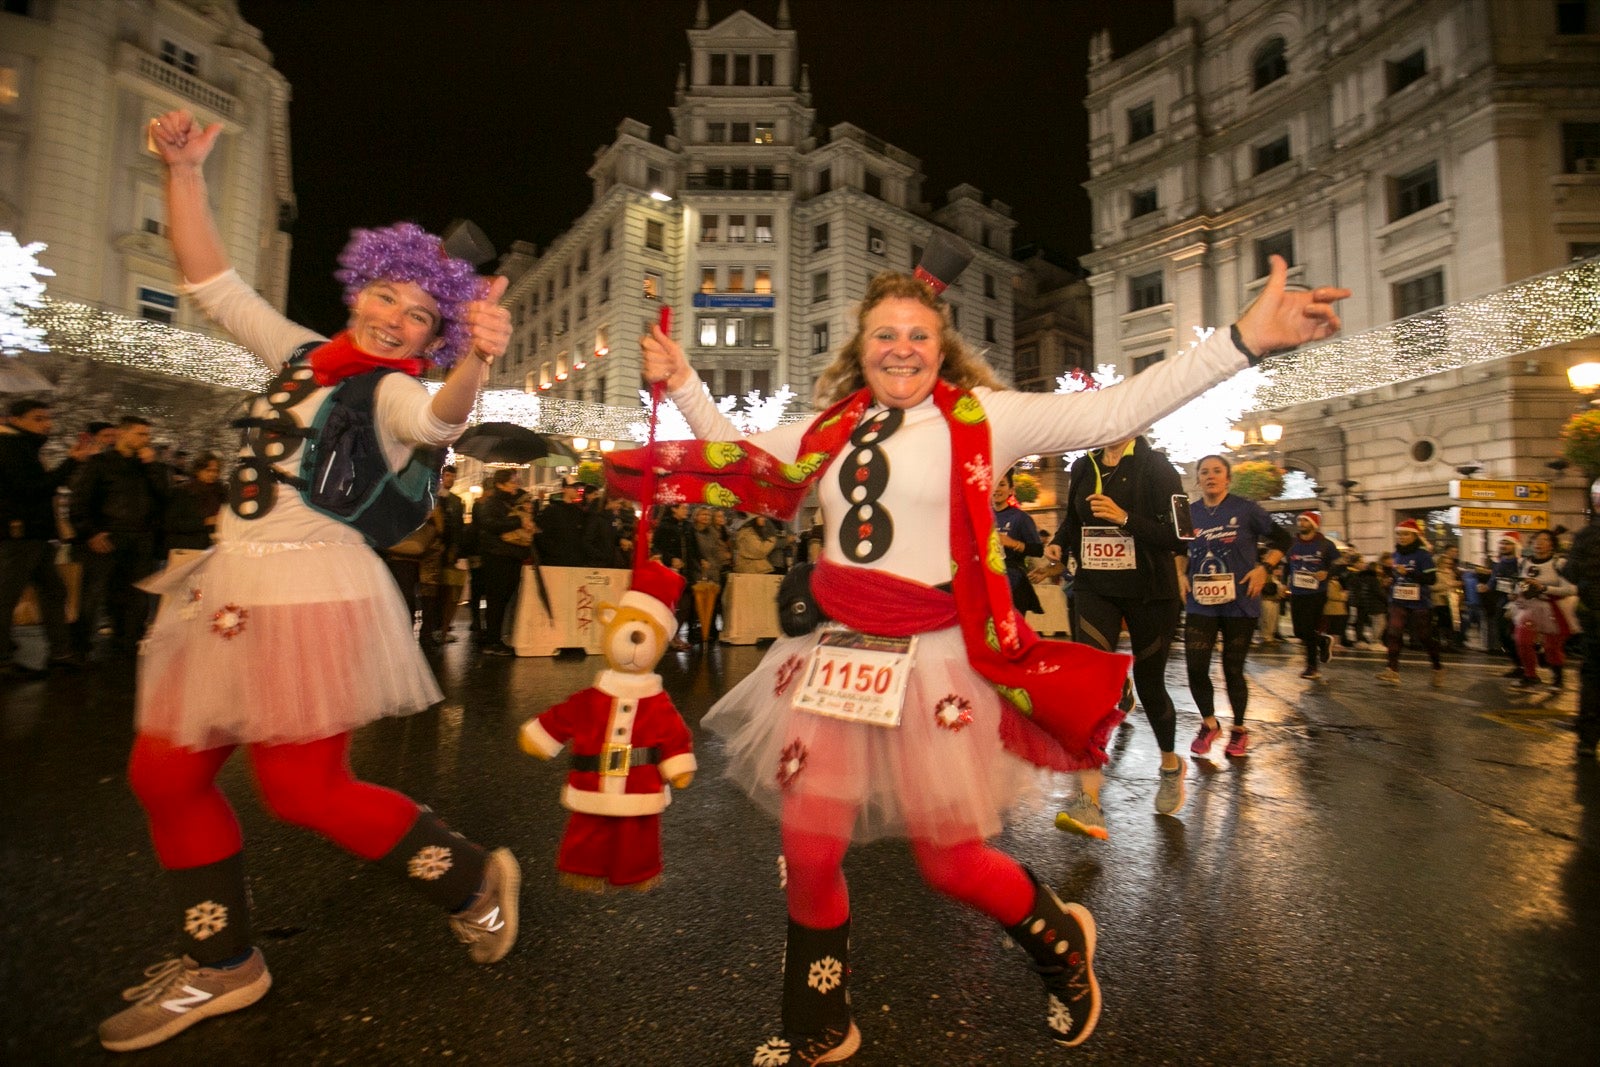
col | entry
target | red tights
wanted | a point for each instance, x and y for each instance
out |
(981, 877)
(306, 784)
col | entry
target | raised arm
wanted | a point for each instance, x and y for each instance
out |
(183, 146)
(489, 325)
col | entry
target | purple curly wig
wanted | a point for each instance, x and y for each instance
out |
(405, 252)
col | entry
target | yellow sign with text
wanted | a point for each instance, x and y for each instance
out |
(1511, 491)
(1499, 518)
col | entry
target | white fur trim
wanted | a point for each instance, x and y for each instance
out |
(614, 683)
(539, 739)
(673, 766)
(574, 799)
(666, 617)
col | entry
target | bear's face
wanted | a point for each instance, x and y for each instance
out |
(633, 641)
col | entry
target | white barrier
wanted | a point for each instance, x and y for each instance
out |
(576, 594)
(1053, 620)
(750, 608)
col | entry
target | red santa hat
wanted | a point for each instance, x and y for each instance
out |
(1512, 536)
(1411, 526)
(1313, 516)
(655, 591)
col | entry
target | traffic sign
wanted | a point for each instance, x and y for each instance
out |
(1500, 518)
(1490, 489)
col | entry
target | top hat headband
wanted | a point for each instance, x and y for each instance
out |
(943, 261)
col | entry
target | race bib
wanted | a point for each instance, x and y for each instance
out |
(859, 677)
(1107, 549)
(1304, 580)
(1212, 589)
(1505, 585)
(1408, 592)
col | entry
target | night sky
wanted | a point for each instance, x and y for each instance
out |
(492, 109)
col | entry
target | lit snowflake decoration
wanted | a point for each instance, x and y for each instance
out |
(788, 670)
(20, 290)
(791, 763)
(775, 1053)
(205, 919)
(1060, 1019)
(229, 621)
(953, 713)
(430, 863)
(825, 975)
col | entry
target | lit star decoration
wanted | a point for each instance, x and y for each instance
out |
(20, 292)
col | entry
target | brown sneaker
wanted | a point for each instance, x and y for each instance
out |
(489, 926)
(177, 994)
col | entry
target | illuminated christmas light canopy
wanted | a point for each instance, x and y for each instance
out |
(21, 291)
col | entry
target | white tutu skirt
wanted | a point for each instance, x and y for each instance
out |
(277, 643)
(941, 775)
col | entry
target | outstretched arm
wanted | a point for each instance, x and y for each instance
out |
(489, 325)
(183, 146)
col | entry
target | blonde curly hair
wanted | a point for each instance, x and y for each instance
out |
(961, 366)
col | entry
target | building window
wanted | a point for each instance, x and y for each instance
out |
(652, 286)
(988, 286)
(1141, 121)
(583, 306)
(732, 383)
(733, 331)
(766, 133)
(652, 178)
(1583, 249)
(760, 331)
(819, 338)
(1145, 362)
(1419, 294)
(10, 88)
(605, 289)
(741, 70)
(1580, 147)
(708, 279)
(655, 235)
(735, 279)
(763, 229)
(819, 287)
(988, 329)
(566, 276)
(583, 261)
(152, 211)
(766, 68)
(1572, 17)
(602, 341)
(1279, 244)
(716, 132)
(1145, 291)
(709, 225)
(876, 245)
(1142, 202)
(872, 185)
(1270, 63)
(916, 257)
(819, 237)
(736, 227)
(1274, 153)
(718, 75)
(824, 179)
(605, 241)
(1405, 70)
(175, 55)
(955, 316)
(566, 323)
(739, 132)
(706, 327)
(1027, 362)
(157, 305)
(766, 178)
(763, 285)
(761, 381)
(1415, 190)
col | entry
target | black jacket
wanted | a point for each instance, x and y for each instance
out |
(491, 517)
(27, 489)
(1145, 489)
(118, 494)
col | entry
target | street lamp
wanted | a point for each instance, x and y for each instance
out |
(1585, 378)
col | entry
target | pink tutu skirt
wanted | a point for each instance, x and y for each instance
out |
(941, 775)
(277, 643)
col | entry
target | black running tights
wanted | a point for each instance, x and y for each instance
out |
(1098, 622)
(1199, 641)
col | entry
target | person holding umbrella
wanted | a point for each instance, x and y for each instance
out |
(289, 633)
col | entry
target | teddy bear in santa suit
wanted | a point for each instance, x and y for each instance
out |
(628, 743)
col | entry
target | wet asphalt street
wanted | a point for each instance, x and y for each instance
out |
(1393, 876)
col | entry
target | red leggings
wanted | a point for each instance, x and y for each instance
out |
(971, 872)
(310, 785)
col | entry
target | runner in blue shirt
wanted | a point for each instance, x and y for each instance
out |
(1311, 559)
(1410, 602)
(1223, 594)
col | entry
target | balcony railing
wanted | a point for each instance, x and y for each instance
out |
(738, 181)
(131, 57)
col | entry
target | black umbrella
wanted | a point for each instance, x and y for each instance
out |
(506, 442)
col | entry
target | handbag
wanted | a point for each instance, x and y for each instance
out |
(522, 537)
(415, 543)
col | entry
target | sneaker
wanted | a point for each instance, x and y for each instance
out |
(488, 927)
(179, 993)
(1171, 793)
(1514, 672)
(499, 648)
(1438, 678)
(830, 1046)
(1325, 649)
(1238, 742)
(1205, 738)
(1312, 673)
(1363, 645)
(1527, 682)
(1389, 675)
(1083, 816)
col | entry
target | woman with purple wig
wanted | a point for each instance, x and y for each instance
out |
(290, 633)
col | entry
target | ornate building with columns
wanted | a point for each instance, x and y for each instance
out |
(1418, 152)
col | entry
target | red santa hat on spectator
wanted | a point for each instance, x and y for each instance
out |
(1512, 536)
(1313, 516)
(1411, 526)
(655, 591)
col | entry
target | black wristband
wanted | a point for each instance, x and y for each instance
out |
(1238, 342)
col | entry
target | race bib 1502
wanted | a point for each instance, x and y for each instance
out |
(1107, 549)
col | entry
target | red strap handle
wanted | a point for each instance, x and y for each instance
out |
(641, 534)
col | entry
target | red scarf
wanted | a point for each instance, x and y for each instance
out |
(339, 359)
(1068, 690)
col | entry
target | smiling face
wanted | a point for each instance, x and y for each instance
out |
(395, 320)
(901, 357)
(1001, 492)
